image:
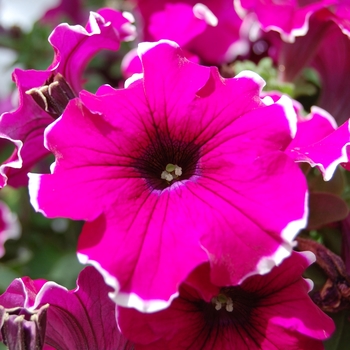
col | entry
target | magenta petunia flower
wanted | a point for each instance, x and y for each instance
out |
(269, 312)
(9, 226)
(197, 27)
(181, 167)
(44, 94)
(38, 314)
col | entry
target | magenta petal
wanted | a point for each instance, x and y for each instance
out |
(79, 153)
(313, 128)
(121, 21)
(21, 292)
(186, 79)
(318, 144)
(177, 22)
(341, 16)
(131, 64)
(150, 246)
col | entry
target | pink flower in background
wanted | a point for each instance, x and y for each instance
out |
(179, 168)
(326, 49)
(72, 9)
(332, 64)
(9, 226)
(51, 89)
(269, 312)
(196, 27)
(37, 312)
(324, 45)
(288, 17)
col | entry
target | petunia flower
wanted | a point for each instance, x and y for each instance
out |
(269, 312)
(43, 95)
(40, 314)
(210, 29)
(180, 168)
(9, 226)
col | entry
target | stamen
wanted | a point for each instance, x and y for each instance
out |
(217, 303)
(166, 176)
(171, 172)
(222, 300)
(178, 170)
(229, 305)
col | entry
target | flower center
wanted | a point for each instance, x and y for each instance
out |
(167, 161)
(232, 307)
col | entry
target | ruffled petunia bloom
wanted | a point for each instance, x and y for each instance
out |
(43, 95)
(270, 312)
(10, 227)
(40, 314)
(180, 168)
